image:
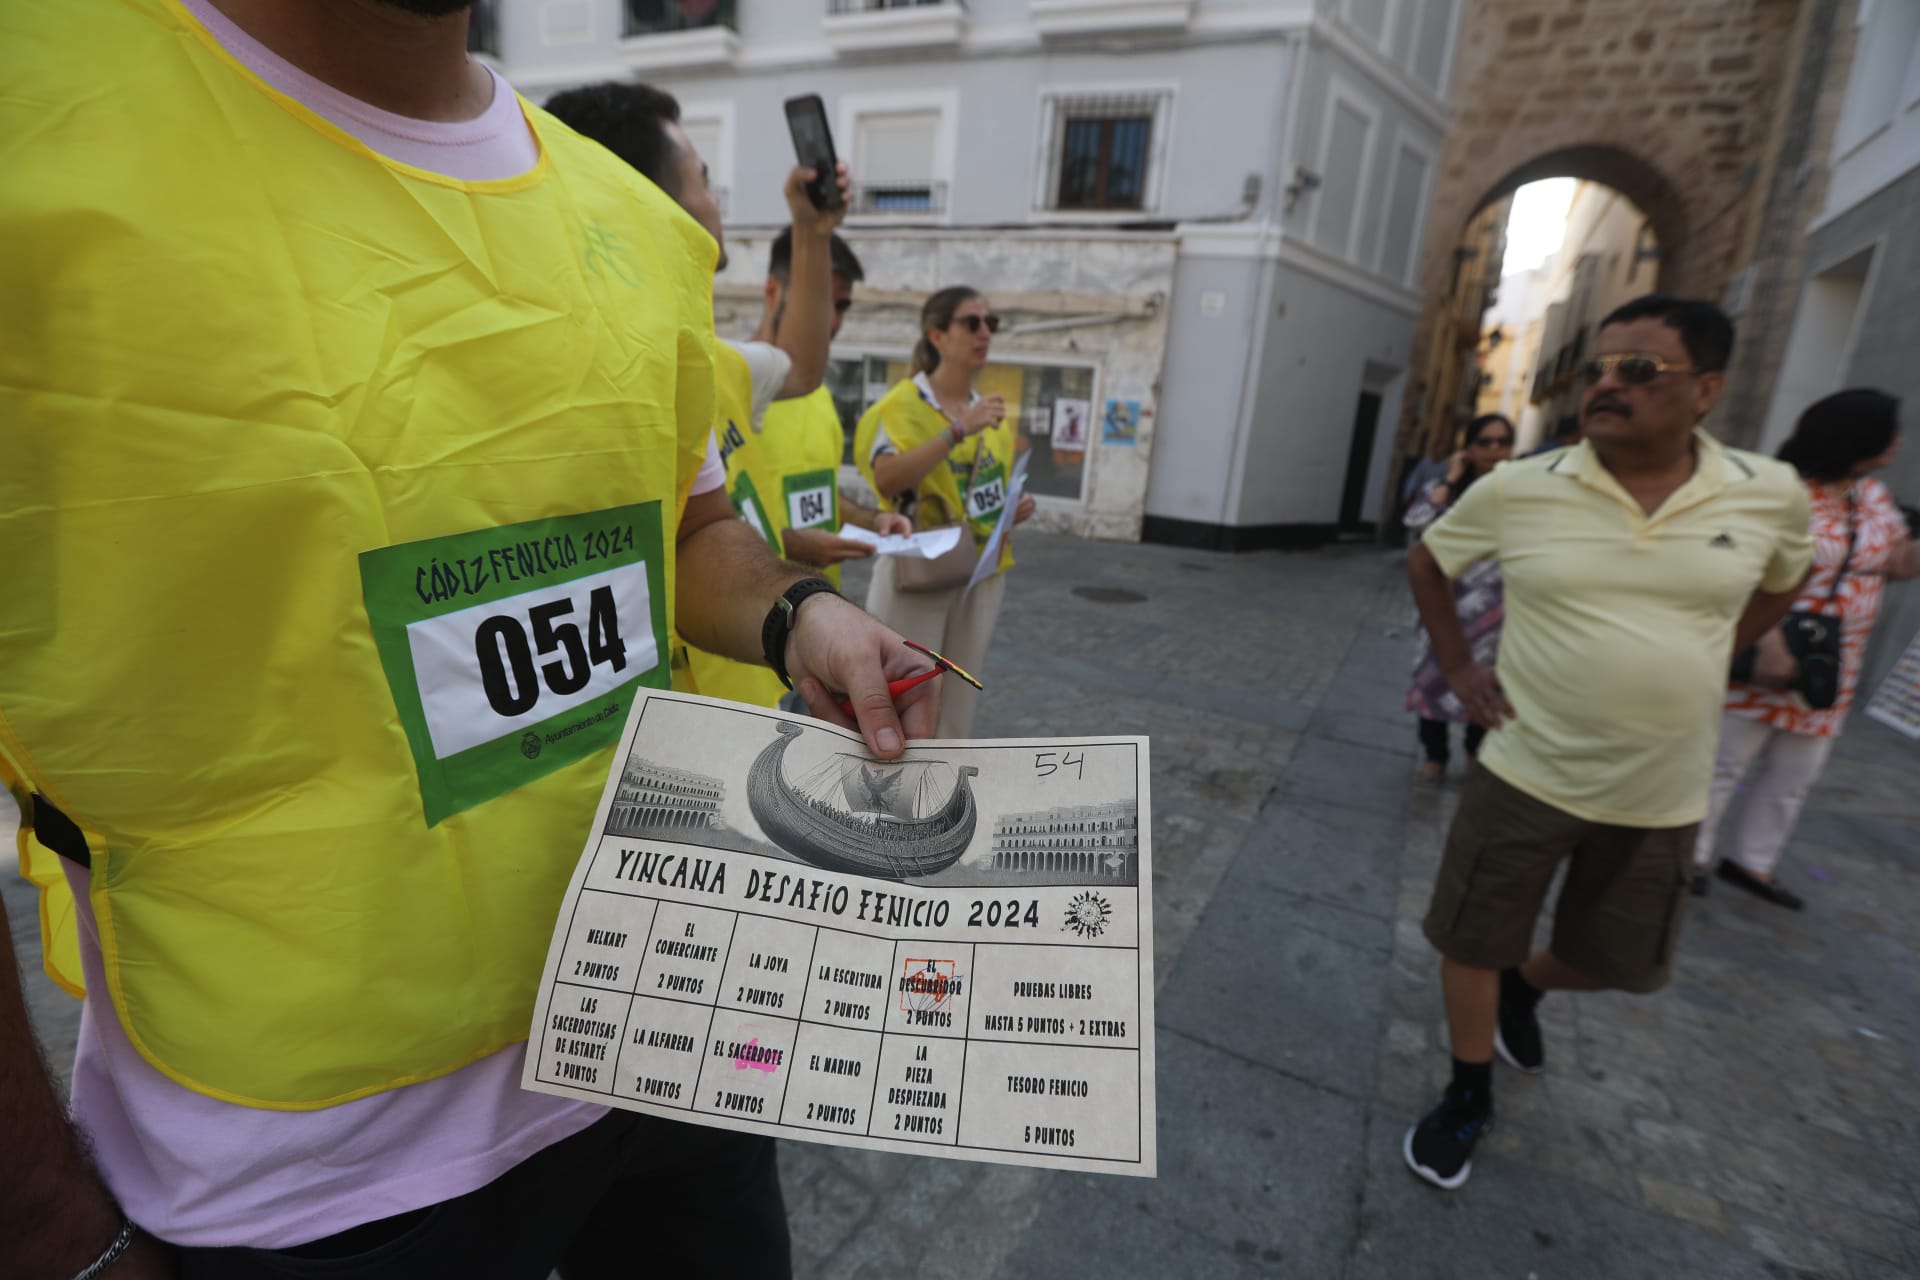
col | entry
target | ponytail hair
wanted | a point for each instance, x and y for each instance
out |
(937, 313)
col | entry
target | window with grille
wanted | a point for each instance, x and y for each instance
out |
(651, 17)
(1104, 151)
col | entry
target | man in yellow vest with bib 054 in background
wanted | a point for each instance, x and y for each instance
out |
(806, 439)
(781, 366)
(359, 471)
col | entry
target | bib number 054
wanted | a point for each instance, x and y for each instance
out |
(506, 652)
(987, 499)
(493, 668)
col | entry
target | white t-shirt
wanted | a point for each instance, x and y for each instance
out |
(769, 366)
(197, 1171)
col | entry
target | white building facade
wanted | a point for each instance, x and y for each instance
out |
(1201, 218)
(1856, 322)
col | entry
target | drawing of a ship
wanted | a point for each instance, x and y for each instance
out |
(864, 816)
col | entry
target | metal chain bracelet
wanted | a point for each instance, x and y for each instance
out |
(121, 1243)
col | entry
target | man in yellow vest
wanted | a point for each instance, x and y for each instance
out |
(359, 470)
(640, 125)
(806, 437)
(768, 394)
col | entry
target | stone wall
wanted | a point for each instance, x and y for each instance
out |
(1796, 185)
(1675, 103)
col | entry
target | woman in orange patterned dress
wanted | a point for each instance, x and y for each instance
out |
(1769, 731)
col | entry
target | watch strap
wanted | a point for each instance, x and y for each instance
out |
(779, 624)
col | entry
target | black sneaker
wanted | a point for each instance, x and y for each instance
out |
(1440, 1147)
(1766, 890)
(1516, 1032)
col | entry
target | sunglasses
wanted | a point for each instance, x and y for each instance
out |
(843, 306)
(1633, 369)
(1495, 442)
(990, 322)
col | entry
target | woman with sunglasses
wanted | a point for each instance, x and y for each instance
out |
(1477, 593)
(935, 449)
(1770, 736)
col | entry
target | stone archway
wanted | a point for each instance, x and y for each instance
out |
(1665, 206)
(1671, 102)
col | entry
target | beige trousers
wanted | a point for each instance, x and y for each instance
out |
(956, 623)
(1779, 768)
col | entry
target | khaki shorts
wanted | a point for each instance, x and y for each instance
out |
(1618, 917)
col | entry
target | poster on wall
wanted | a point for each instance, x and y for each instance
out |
(1040, 420)
(1070, 424)
(1121, 423)
(1897, 702)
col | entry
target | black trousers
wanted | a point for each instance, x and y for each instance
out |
(630, 1195)
(1433, 739)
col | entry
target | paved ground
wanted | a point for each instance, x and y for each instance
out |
(1755, 1119)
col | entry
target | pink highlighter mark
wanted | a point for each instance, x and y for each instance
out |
(748, 1060)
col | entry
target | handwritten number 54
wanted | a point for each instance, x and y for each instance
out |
(1048, 763)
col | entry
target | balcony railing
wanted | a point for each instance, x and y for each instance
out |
(873, 6)
(874, 26)
(656, 17)
(899, 197)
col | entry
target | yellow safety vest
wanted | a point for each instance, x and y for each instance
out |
(803, 440)
(337, 513)
(749, 482)
(910, 421)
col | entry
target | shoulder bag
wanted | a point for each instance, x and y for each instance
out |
(1813, 638)
(955, 568)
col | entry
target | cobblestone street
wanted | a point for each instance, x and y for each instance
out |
(1746, 1121)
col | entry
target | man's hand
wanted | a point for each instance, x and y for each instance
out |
(807, 220)
(891, 524)
(837, 648)
(1479, 691)
(821, 547)
(806, 324)
(1023, 510)
(1774, 665)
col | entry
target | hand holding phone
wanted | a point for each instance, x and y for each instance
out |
(813, 148)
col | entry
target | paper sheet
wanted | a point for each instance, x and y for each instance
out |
(947, 955)
(1897, 702)
(929, 544)
(989, 562)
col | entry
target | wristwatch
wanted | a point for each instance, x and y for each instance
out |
(779, 624)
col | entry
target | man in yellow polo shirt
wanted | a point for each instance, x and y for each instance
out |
(1637, 562)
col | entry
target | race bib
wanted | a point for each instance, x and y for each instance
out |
(746, 503)
(512, 652)
(988, 495)
(811, 500)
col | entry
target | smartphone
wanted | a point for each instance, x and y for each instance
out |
(813, 147)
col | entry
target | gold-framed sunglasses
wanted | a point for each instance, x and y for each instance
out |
(1631, 367)
(990, 322)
